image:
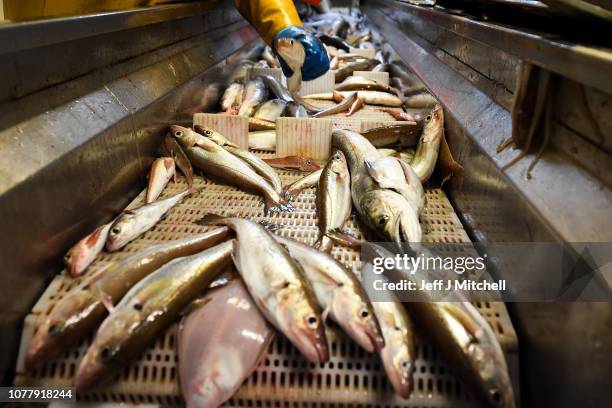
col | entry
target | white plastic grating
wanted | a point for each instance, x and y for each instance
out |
(352, 377)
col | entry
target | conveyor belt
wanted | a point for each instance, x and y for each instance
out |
(351, 377)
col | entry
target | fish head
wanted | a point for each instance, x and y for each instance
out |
(304, 325)
(121, 231)
(391, 215)
(213, 135)
(399, 366)
(185, 136)
(204, 393)
(495, 383)
(308, 164)
(291, 51)
(52, 337)
(432, 123)
(108, 351)
(357, 318)
(76, 260)
(338, 162)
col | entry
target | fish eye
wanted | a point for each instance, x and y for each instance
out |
(67, 257)
(406, 364)
(291, 42)
(383, 220)
(115, 230)
(54, 329)
(312, 321)
(207, 132)
(308, 162)
(496, 396)
(427, 118)
(337, 157)
(137, 306)
(106, 353)
(178, 133)
(364, 313)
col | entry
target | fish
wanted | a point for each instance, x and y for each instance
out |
(426, 156)
(369, 97)
(358, 104)
(277, 286)
(295, 110)
(269, 57)
(385, 209)
(400, 115)
(382, 67)
(215, 161)
(334, 63)
(398, 354)
(240, 71)
(343, 106)
(300, 163)
(339, 293)
(84, 252)
(333, 199)
(230, 95)
(260, 124)
(293, 54)
(255, 93)
(271, 110)
(162, 170)
(147, 309)
(422, 100)
(81, 310)
(355, 83)
(262, 140)
(340, 28)
(334, 41)
(293, 190)
(174, 150)
(458, 330)
(130, 224)
(274, 85)
(406, 135)
(260, 166)
(348, 70)
(215, 355)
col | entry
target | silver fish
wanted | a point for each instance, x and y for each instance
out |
(133, 223)
(262, 140)
(255, 93)
(270, 110)
(426, 155)
(230, 96)
(162, 170)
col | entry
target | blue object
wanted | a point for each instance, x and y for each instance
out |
(316, 62)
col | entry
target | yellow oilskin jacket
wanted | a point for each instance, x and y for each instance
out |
(267, 16)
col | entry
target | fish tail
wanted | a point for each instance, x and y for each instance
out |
(212, 219)
(324, 243)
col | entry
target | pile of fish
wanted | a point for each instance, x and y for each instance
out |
(263, 284)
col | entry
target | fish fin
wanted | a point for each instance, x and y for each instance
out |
(196, 304)
(462, 317)
(270, 226)
(325, 314)
(345, 239)
(324, 243)
(337, 96)
(211, 219)
(107, 301)
(377, 175)
(409, 174)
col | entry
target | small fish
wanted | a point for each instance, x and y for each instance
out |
(343, 106)
(300, 163)
(295, 110)
(146, 310)
(333, 198)
(399, 114)
(84, 252)
(229, 96)
(309, 181)
(334, 41)
(426, 156)
(260, 124)
(369, 97)
(277, 286)
(348, 70)
(133, 223)
(162, 170)
(358, 104)
(263, 140)
(174, 150)
(274, 85)
(255, 93)
(339, 293)
(422, 100)
(355, 83)
(81, 310)
(260, 166)
(405, 135)
(215, 355)
(270, 110)
(293, 53)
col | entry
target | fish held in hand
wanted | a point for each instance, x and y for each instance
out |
(339, 293)
(84, 252)
(333, 199)
(146, 310)
(132, 223)
(215, 355)
(277, 286)
(162, 170)
(81, 310)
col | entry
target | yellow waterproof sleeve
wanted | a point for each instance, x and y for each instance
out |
(269, 16)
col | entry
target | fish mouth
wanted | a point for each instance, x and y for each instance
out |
(312, 346)
(368, 338)
(42, 348)
(407, 229)
(90, 373)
